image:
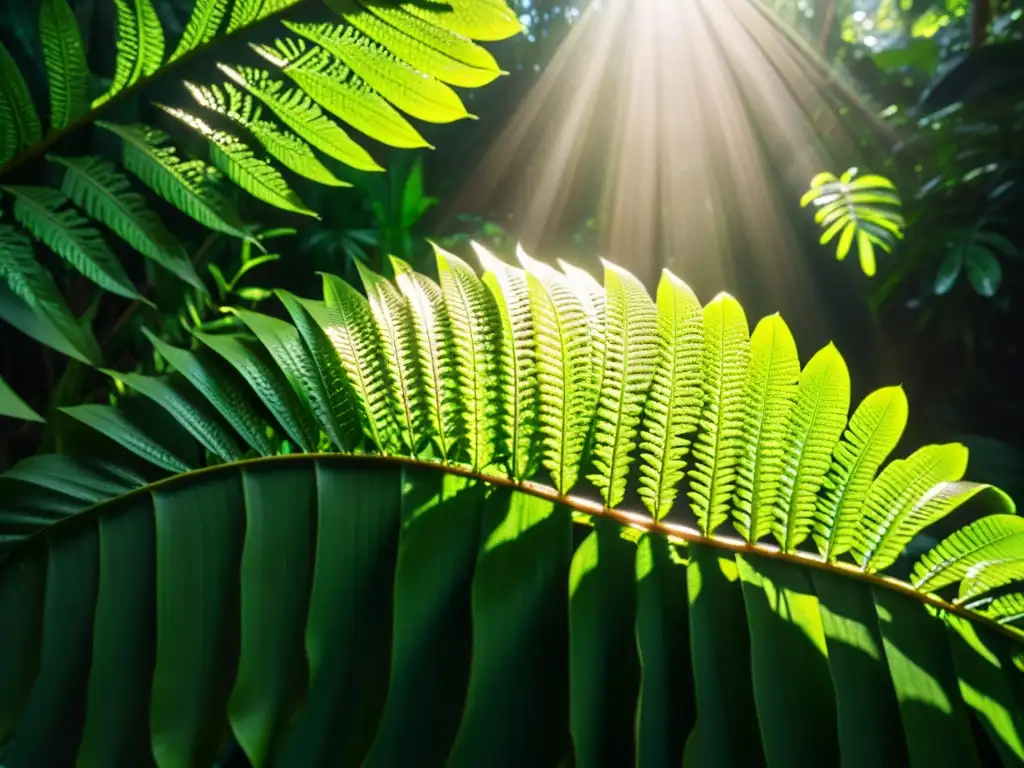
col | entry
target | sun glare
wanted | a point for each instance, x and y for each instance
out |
(695, 124)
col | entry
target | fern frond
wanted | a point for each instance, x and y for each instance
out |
(592, 296)
(293, 358)
(268, 382)
(992, 538)
(673, 408)
(434, 342)
(341, 397)
(109, 421)
(19, 121)
(304, 116)
(30, 282)
(768, 404)
(188, 185)
(140, 45)
(202, 26)
(511, 293)
(232, 402)
(346, 318)
(476, 339)
(1005, 609)
(284, 146)
(815, 426)
(103, 192)
(49, 216)
(892, 515)
(986, 577)
(567, 394)
(455, 45)
(489, 20)
(246, 12)
(237, 161)
(420, 95)
(392, 315)
(630, 360)
(874, 430)
(717, 449)
(191, 413)
(335, 87)
(431, 61)
(67, 71)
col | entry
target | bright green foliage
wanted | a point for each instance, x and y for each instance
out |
(769, 401)
(48, 215)
(170, 615)
(140, 45)
(19, 121)
(862, 211)
(817, 422)
(188, 185)
(873, 431)
(717, 449)
(99, 189)
(511, 292)
(591, 295)
(673, 407)
(13, 406)
(476, 338)
(566, 384)
(630, 360)
(236, 161)
(66, 69)
(202, 26)
(398, 341)
(990, 539)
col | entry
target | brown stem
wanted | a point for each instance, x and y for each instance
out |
(981, 15)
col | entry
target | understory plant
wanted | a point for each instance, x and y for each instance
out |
(528, 518)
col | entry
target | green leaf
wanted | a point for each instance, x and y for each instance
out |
(874, 430)
(893, 512)
(35, 306)
(412, 91)
(673, 407)
(476, 339)
(48, 215)
(718, 446)
(202, 26)
(989, 576)
(97, 187)
(771, 392)
(110, 422)
(487, 20)
(284, 146)
(949, 271)
(268, 382)
(630, 361)
(511, 292)
(19, 121)
(789, 664)
(983, 270)
(346, 319)
(990, 539)
(429, 318)
(87, 481)
(238, 162)
(455, 45)
(14, 407)
(140, 45)
(335, 87)
(247, 12)
(919, 661)
(566, 387)
(398, 341)
(299, 112)
(815, 426)
(66, 68)
(188, 185)
(232, 402)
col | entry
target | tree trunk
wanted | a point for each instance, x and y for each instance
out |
(981, 15)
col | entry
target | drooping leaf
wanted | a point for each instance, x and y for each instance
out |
(110, 422)
(98, 188)
(67, 71)
(49, 216)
